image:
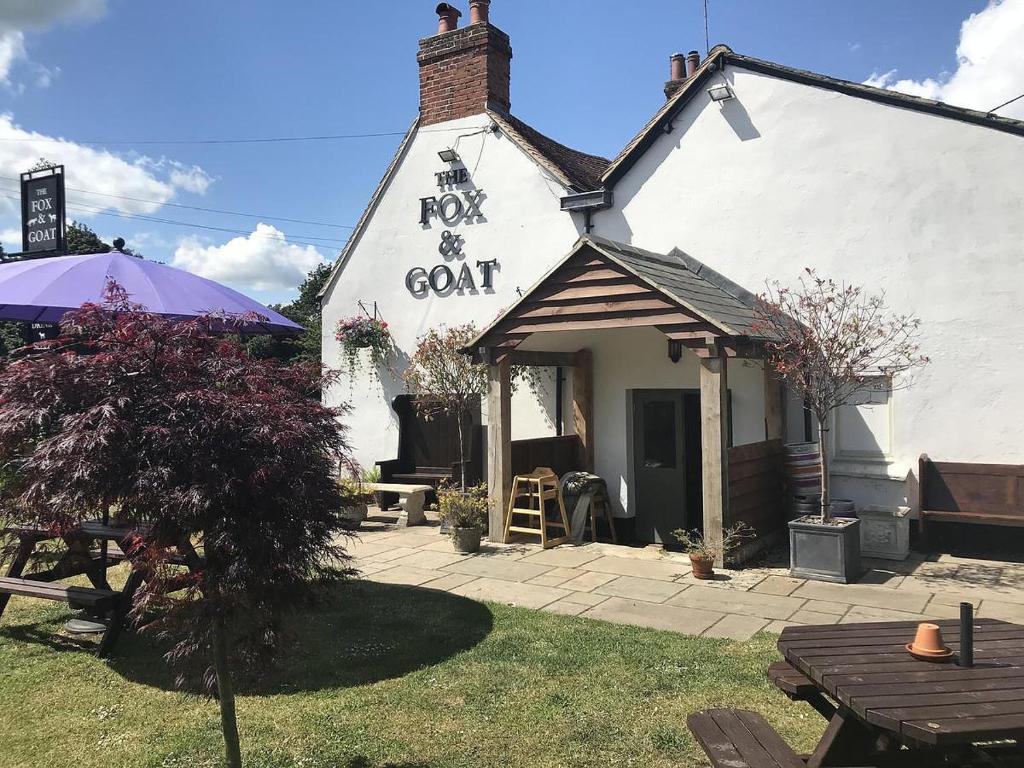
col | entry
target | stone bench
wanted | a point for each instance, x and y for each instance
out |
(411, 498)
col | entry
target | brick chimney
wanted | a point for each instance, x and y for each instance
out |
(682, 69)
(462, 71)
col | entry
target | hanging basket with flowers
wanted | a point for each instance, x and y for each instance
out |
(361, 332)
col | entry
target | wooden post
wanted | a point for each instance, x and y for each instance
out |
(773, 413)
(583, 404)
(499, 445)
(714, 393)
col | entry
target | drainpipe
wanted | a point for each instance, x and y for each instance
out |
(559, 389)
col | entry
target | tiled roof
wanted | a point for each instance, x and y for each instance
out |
(717, 300)
(576, 169)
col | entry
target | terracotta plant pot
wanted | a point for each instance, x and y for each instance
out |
(928, 641)
(467, 540)
(703, 567)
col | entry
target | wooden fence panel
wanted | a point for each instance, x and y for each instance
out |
(562, 454)
(757, 487)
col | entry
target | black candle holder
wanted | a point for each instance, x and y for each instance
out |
(966, 656)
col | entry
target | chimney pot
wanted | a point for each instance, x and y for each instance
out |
(479, 11)
(448, 18)
(678, 68)
(692, 62)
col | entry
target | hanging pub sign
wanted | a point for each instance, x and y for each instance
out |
(42, 212)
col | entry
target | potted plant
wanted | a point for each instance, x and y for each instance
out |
(363, 332)
(370, 477)
(465, 514)
(357, 499)
(704, 551)
(828, 342)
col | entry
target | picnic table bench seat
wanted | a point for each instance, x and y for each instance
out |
(798, 687)
(738, 738)
(86, 597)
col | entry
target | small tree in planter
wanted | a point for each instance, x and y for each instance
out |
(448, 381)
(828, 342)
(186, 434)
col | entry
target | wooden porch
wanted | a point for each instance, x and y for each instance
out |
(601, 286)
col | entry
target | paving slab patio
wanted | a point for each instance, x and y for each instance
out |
(644, 586)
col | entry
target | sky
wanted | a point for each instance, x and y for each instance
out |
(128, 95)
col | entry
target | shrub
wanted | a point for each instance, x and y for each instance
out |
(463, 509)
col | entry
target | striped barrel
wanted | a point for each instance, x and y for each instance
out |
(803, 469)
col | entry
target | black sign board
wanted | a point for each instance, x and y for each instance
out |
(42, 212)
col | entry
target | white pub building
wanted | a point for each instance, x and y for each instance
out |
(628, 282)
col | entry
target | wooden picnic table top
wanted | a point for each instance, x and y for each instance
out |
(867, 669)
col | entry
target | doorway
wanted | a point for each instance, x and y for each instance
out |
(666, 463)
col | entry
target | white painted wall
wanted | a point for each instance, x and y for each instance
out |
(637, 358)
(523, 228)
(928, 209)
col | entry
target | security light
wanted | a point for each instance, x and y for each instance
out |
(721, 92)
(448, 155)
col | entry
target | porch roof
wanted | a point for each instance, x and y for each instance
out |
(606, 284)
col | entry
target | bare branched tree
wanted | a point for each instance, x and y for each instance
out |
(830, 341)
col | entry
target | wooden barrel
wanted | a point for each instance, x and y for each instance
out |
(803, 469)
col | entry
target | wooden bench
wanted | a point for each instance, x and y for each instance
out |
(84, 597)
(736, 738)
(981, 494)
(428, 448)
(798, 687)
(411, 498)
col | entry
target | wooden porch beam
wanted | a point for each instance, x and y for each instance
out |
(583, 404)
(542, 359)
(714, 394)
(499, 446)
(773, 406)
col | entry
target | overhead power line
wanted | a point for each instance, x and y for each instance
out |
(200, 208)
(335, 242)
(266, 140)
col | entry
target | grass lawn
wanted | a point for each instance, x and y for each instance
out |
(390, 676)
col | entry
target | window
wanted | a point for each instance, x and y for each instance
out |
(660, 434)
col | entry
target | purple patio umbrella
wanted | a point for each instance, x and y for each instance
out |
(43, 290)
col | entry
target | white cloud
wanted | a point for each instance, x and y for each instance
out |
(990, 64)
(262, 261)
(97, 170)
(12, 49)
(17, 16)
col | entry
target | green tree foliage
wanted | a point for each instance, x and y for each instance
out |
(82, 240)
(305, 311)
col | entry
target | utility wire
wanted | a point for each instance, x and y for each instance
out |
(173, 222)
(200, 208)
(268, 140)
(1006, 104)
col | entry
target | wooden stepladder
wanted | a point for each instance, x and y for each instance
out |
(539, 486)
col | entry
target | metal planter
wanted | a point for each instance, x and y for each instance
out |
(825, 552)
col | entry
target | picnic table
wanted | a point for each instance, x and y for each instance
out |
(885, 698)
(885, 708)
(77, 558)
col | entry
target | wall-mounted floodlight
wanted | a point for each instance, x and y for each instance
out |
(448, 155)
(721, 92)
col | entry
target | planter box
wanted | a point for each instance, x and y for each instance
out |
(825, 552)
(885, 532)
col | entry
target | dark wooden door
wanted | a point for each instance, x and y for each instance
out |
(659, 463)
